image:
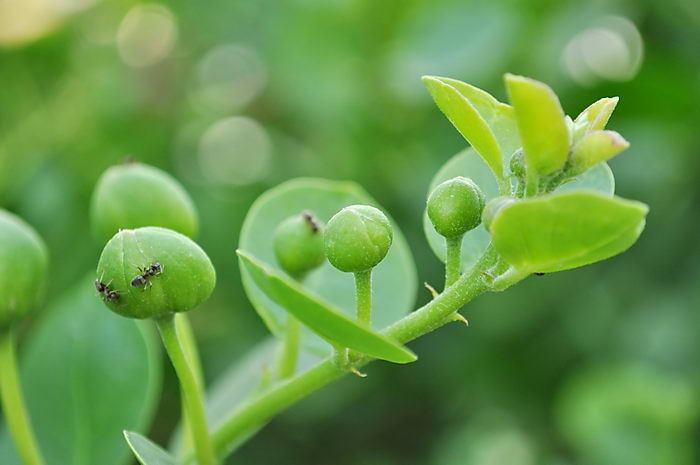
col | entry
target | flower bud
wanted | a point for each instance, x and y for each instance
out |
(134, 195)
(517, 165)
(454, 207)
(492, 208)
(298, 244)
(357, 238)
(23, 264)
(151, 272)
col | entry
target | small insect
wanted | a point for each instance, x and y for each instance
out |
(539, 274)
(105, 291)
(141, 279)
(309, 218)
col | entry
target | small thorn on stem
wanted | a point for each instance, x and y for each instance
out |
(431, 289)
(459, 317)
(357, 372)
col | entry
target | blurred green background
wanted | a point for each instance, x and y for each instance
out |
(599, 365)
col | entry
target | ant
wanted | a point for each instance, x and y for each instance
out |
(311, 220)
(104, 291)
(141, 279)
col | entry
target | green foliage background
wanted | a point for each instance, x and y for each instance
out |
(598, 365)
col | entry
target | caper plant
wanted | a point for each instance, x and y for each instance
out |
(533, 194)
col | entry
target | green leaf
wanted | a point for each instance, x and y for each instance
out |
(468, 122)
(321, 317)
(600, 178)
(87, 375)
(596, 116)
(541, 123)
(562, 231)
(499, 116)
(467, 163)
(244, 378)
(146, 451)
(596, 147)
(395, 281)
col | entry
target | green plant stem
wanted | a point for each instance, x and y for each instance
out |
(431, 316)
(453, 259)
(531, 185)
(13, 406)
(363, 293)
(504, 186)
(189, 347)
(287, 361)
(190, 389)
(340, 357)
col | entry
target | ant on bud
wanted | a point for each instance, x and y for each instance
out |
(311, 220)
(141, 279)
(106, 293)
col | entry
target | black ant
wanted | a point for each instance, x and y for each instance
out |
(106, 293)
(141, 279)
(309, 218)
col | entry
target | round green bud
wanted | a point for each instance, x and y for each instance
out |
(454, 207)
(517, 165)
(23, 264)
(357, 238)
(151, 272)
(492, 208)
(134, 195)
(298, 244)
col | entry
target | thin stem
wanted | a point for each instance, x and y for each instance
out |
(189, 347)
(190, 389)
(363, 293)
(431, 316)
(13, 405)
(453, 260)
(531, 187)
(340, 357)
(287, 361)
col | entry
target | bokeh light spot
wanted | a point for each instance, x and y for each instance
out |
(234, 151)
(146, 35)
(612, 49)
(229, 77)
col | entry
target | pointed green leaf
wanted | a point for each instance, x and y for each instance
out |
(596, 147)
(567, 230)
(499, 116)
(395, 280)
(598, 113)
(330, 323)
(467, 163)
(468, 121)
(146, 451)
(541, 123)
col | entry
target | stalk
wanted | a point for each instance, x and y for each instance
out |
(191, 391)
(13, 404)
